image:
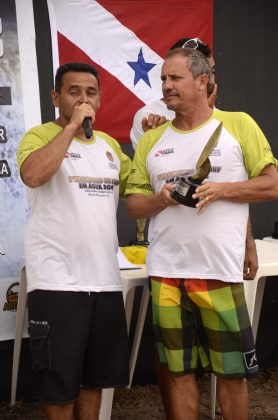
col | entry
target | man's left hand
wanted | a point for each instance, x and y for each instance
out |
(250, 260)
(207, 194)
(152, 121)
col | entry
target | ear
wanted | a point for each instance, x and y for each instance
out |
(203, 81)
(55, 98)
(99, 98)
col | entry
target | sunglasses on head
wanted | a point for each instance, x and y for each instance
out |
(194, 43)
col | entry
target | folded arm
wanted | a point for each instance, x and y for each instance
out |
(145, 206)
(261, 188)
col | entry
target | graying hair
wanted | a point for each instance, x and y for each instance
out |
(197, 62)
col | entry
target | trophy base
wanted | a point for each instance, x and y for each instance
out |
(138, 243)
(183, 192)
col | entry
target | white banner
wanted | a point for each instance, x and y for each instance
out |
(19, 110)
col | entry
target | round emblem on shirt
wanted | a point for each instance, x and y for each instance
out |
(110, 157)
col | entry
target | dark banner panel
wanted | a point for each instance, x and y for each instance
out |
(245, 49)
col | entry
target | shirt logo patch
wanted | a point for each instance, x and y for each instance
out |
(110, 156)
(164, 152)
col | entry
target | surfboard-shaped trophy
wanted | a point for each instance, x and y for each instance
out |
(187, 185)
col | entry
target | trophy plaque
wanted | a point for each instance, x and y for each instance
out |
(187, 185)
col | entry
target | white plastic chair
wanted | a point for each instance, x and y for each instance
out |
(254, 290)
(131, 279)
(19, 325)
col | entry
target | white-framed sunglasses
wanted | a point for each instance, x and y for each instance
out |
(193, 43)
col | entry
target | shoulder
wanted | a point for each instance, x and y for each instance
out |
(36, 138)
(233, 117)
(41, 134)
(107, 138)
(151, 137)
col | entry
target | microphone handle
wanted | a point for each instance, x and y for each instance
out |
(87, 125)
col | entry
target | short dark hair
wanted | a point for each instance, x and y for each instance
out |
(201, 46)
(75, 67)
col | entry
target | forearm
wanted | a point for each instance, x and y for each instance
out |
(42, 164)
(250, 245)
(141, 206)
(249, 233)
(261, 188)
(251, 258)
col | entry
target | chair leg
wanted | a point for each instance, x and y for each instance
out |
(108, 393)
(129, 300)
(138, 332)
(106, 404)
(213, 382)
(19, 325)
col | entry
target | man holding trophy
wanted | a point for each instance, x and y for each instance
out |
(194, 178)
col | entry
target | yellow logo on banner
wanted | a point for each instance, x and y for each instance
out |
(11, 296)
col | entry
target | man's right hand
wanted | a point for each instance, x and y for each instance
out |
(166, 195)
(81, 112)
(153, 121)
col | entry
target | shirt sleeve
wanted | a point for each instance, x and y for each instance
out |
(124, 173)
(31, 141)
(137, 131)
(256, 150)
(139, 179)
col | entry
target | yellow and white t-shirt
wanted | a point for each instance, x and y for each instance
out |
(71, 238)
(182, 243)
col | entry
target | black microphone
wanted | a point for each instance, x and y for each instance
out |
(87, 125)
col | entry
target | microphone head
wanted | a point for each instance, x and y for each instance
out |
(87, 125)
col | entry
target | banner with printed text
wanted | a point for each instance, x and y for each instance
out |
(16, 106)
(127, 41)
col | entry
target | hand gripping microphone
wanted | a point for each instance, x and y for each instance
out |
(87, 125)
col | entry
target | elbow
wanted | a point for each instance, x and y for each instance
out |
(275, 193)
(273, 188)
(131, 214)
(30, 180)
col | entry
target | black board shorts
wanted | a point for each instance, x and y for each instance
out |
(77, 339)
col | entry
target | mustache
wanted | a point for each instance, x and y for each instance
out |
(169, 92)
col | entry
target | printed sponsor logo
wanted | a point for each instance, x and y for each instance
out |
(164, 152)
(251, 359)
(73, 155)
(215, 169)
(11, 296)
(216, 152)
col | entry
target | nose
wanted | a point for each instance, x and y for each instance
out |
(167, 84)
(83, 98)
